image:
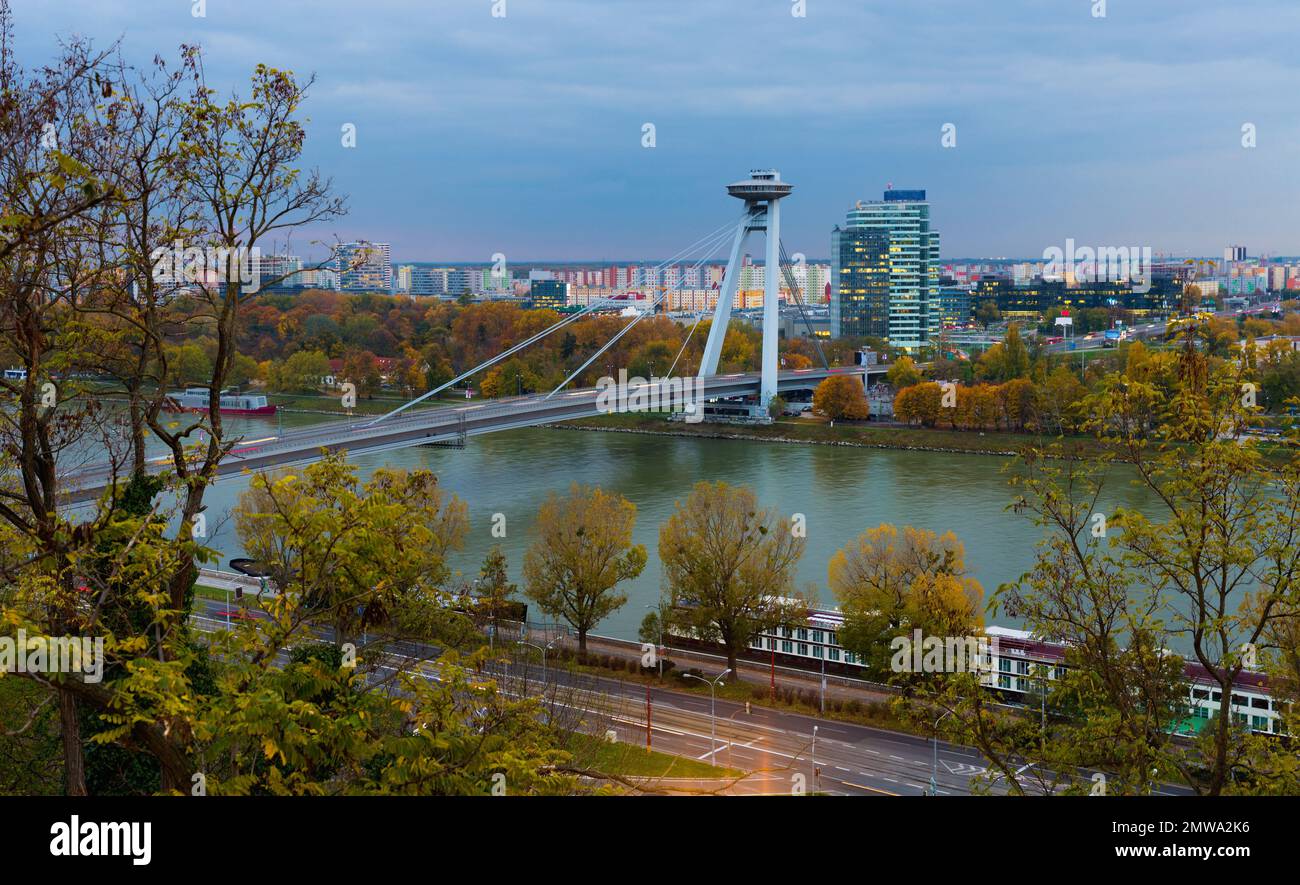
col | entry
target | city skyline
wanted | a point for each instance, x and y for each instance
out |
(960, 458)
(537, 149)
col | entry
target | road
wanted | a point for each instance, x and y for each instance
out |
(854, 760)
(1097, 341)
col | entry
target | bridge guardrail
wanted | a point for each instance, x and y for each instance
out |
(344, 431)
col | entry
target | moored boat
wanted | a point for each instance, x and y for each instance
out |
(195, 399)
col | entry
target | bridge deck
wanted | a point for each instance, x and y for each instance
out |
(364, 435)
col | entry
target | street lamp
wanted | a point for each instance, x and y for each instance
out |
(543, 650)
(713, 716)
(823, 709)
(934, 770)
(817, 775)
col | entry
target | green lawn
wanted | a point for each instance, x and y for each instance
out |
(216, 594)
(632, 761)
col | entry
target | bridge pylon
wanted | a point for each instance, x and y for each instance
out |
(762, 193)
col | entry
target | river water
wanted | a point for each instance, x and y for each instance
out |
(840, 490)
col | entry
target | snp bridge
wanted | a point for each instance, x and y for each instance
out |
(761, 195)
(449, 424)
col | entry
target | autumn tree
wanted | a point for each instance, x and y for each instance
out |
(582, 552)
(1006, 360)
(841, 397)
(1135, 595)
(889, 583)
(729, 566)
(919, 404)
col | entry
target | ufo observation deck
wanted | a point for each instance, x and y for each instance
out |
(762, 184)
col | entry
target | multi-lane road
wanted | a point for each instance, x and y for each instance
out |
(1097, 340)
(777, 747)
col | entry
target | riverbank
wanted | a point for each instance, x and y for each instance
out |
(816, 431)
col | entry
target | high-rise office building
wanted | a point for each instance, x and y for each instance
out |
(364, 267)
(859, 282)
(912, 252)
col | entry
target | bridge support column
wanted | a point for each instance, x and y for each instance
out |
(771, 308)
(726, 295)
(761, 193)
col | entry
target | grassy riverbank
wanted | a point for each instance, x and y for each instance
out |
(819, 431)
(871, 435)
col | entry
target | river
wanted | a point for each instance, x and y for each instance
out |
(840, 490)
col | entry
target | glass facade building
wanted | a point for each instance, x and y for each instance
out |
(548, 293)
(859, 283)
(955, 306)
(1035, 299)
(902, 218)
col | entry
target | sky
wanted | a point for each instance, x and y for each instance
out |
(524, 133)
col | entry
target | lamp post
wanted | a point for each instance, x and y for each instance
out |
(934, 769)
(823, 709)
(713, 715)
(543, 650)
(817, 775)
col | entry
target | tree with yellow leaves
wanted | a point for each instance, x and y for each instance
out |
(889, 583)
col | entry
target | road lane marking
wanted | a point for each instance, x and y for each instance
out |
(872, 789)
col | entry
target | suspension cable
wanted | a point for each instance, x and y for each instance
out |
(602, 303)
(640, 316)
(794, 290)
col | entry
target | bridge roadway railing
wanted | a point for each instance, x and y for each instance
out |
(447, 421)
(427, 426)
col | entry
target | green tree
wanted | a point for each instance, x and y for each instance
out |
(494, 588)
(729, 566)
(582, 552)
(903, 373)
(987, 313)
(188, 364)
(302, 372)
(360, 556)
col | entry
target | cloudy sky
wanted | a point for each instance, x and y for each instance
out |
(522, 134)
